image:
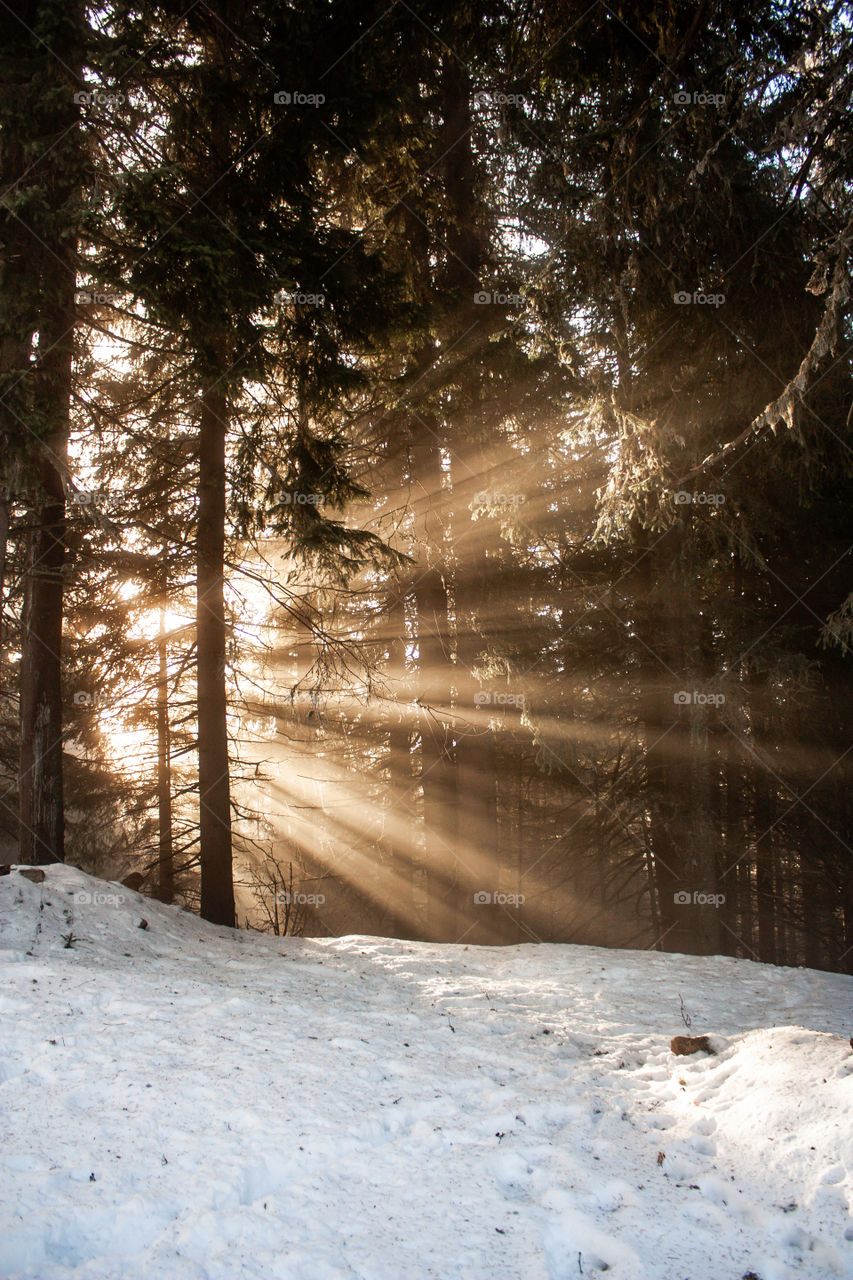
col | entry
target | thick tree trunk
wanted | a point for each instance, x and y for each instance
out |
(40, 814)
(19, 317)
(39, 280)
(217, 886)
(40, 799)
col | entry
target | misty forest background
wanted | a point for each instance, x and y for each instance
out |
(426, 482)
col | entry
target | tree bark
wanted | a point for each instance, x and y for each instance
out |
(217, 886)
(763, 817)
(165, 861)
(5, 516)
(39, 280)
(40, 803)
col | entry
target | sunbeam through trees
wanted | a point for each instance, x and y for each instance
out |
(426, 475)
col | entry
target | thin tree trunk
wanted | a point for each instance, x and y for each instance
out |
(165, 862)
(667, 745)
(845, 960)
(477, 854)
(437, 879)
(5, 516)
(217, 886)
(763, 816)
(736, 877)
(397, 847)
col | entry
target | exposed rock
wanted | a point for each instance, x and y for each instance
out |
(32, 873)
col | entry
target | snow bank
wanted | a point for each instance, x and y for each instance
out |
(187, 1103)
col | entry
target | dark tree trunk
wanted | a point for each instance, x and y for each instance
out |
(666, 740)
(676, 732)
(765, 812)
(41, 817)
(744, 927)
(5, 515)
(763, 817)
(41, 822)
(165, 861)
(845, 960)
(217, 886)
(39, 281)
(17, 269)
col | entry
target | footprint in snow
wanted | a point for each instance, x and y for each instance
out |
(660, 1122)
(703, 1146)
(512, 1174)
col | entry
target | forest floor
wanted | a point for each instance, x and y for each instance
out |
(183, 1102)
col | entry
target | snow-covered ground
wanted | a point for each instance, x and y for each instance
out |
(182, 1102)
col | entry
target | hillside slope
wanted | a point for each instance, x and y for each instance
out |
(184, 1102)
